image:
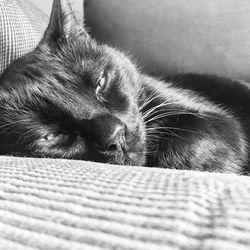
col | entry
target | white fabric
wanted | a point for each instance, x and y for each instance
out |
(63, 204)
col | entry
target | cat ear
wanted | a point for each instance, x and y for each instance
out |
(62, 24)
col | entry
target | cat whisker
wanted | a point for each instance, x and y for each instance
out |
(167, 105)
(15, 122)
(151, 110)
(184, 130)
(170, 134)
(167, 114)
(148, 100)
(169, 131)
(26, 134)
(156, 111)
(155, 131)
(160, 133)
(164, 127)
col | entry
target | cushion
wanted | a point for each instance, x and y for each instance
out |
(170, 37)
(21, 27)
(63, 204)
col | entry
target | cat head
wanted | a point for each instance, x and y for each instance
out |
(72, 98)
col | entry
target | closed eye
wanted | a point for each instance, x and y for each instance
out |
(50, 137)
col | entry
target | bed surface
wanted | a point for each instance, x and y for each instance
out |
(63, 204)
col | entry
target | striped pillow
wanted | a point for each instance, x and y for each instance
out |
(21, 27)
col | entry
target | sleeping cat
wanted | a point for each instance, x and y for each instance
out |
(74, 98)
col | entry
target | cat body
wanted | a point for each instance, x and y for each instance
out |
(74, 98)
(204, 131)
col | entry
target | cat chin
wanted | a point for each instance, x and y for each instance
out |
(135, 160)
(132, 158)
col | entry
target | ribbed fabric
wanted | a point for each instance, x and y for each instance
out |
(21, 27)
(62, 204)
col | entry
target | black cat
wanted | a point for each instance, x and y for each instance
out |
(74, 98)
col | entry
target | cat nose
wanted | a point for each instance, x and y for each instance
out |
(109, 133)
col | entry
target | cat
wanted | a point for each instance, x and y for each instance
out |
(72, 97)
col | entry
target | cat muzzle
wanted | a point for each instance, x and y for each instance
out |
(108, 134)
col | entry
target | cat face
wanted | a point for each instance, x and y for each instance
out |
(72, 98)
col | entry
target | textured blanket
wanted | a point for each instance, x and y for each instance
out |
(62, 204)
